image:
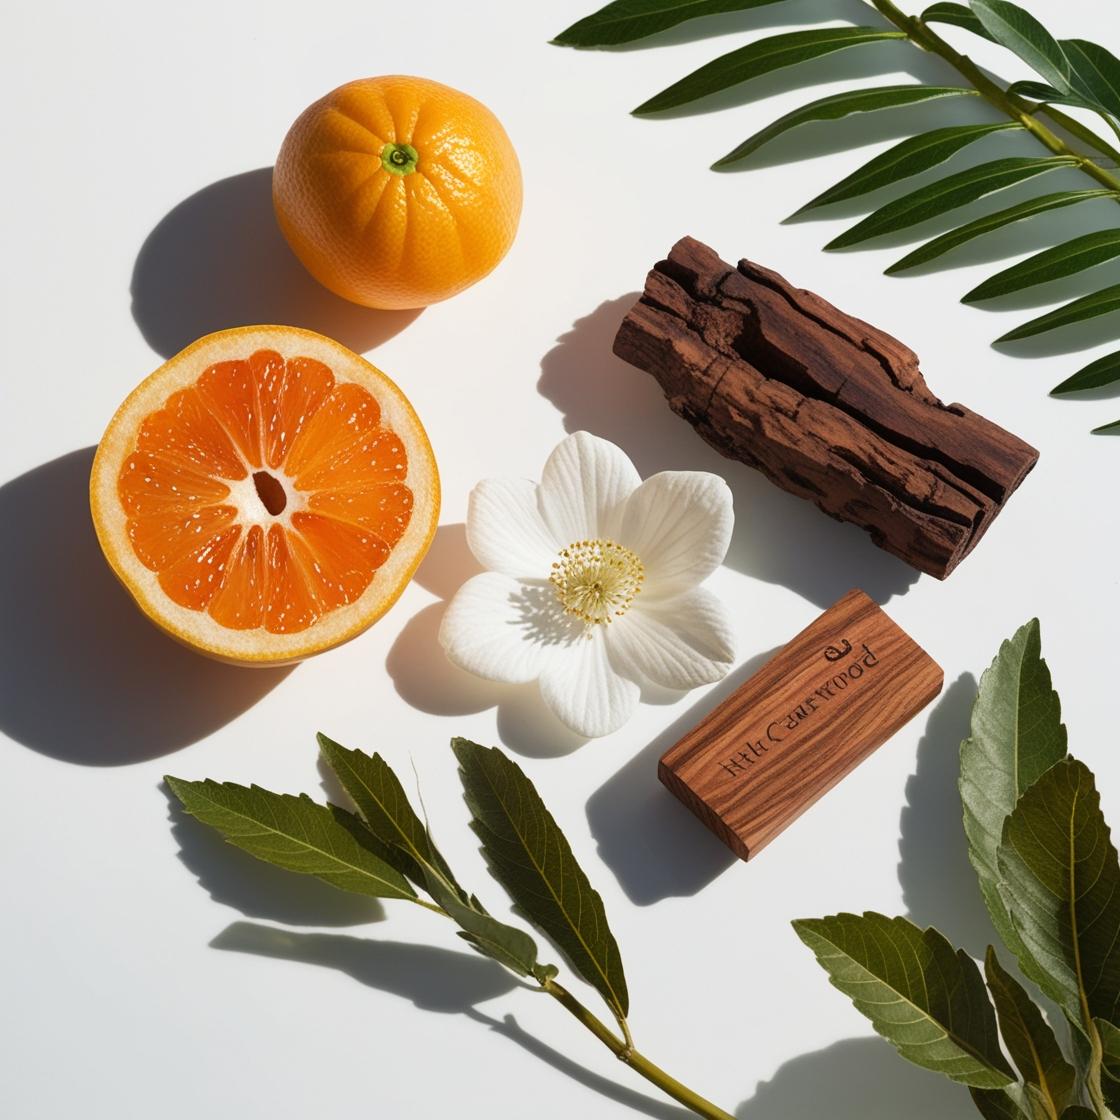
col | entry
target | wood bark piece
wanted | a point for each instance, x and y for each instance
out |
(809, 716)
(826, 406)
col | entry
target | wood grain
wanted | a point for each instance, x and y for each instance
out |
(825, 405)
(809, 716)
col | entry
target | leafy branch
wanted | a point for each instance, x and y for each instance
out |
(386, 851)
(1050, 878)
(1075, 74)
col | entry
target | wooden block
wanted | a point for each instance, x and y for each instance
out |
(825, 405)
(810, 715)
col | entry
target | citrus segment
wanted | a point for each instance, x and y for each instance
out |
(265, 494)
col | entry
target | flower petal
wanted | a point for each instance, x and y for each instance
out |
(583, 486)
(679, 523)
(679, 642)
(584, 690)
(506, 629)
(505, 529)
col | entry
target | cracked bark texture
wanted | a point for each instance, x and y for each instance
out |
(825, 405)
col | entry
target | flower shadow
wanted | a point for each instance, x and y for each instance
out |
(778, 538)
(428, 681)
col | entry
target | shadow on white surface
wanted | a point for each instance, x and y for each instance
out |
(678, 856)
(425, 679)
(218, 260)
(432, 979)
(791, 14)
(85, 677)
(259, 890)
(508, 1027)
(862, 1079)
(778, 538)
(890, 58)
(938, 883)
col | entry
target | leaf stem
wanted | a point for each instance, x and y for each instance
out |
(922, 35)
(623, 1049)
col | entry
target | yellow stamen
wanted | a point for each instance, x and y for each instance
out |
(597, 580)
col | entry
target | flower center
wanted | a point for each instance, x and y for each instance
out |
(597, 580)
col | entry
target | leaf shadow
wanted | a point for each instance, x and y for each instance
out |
(792, 13)
(432, 979)
(1040, 231)
(1071, 339)
(677, 857)
(259, 890)
(821, 138)
(1047, 183)
(86, 677)
(217, 259)
(1057, 291)
(778, 538)
(854, 64)
(938, 883)
(864, 1079)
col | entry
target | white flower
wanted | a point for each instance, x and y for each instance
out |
(591, 587)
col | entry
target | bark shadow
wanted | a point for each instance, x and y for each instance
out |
(86, 678)
(778, 538)
(218, 260)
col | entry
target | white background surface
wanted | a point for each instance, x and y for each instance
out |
(136, 217)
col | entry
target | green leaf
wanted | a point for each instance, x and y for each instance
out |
(1066, 259)
(925, 998)
(1079, 1112)
(1029, 1038)
(1094, 304)
(1112, 429)
(533, 860)
(989, 223)
(627, 20)
(958, 15)
(1094, 73)
(948, 194)
(1017, 30)
(384, 806)
(1060, 882)
(1016, 735)
(762, 57)
(295, 833)
(910, 157)
(1048, 95)
(843, 105)
(1014, 1102)
(1104, 371)
(504, 943)
(1109, 1035)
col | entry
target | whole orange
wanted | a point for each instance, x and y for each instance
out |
(397, 192)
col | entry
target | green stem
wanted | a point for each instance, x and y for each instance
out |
(920, 33)
(1085, 135)
(625, 1052)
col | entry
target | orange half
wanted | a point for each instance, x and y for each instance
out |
(265, 495)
